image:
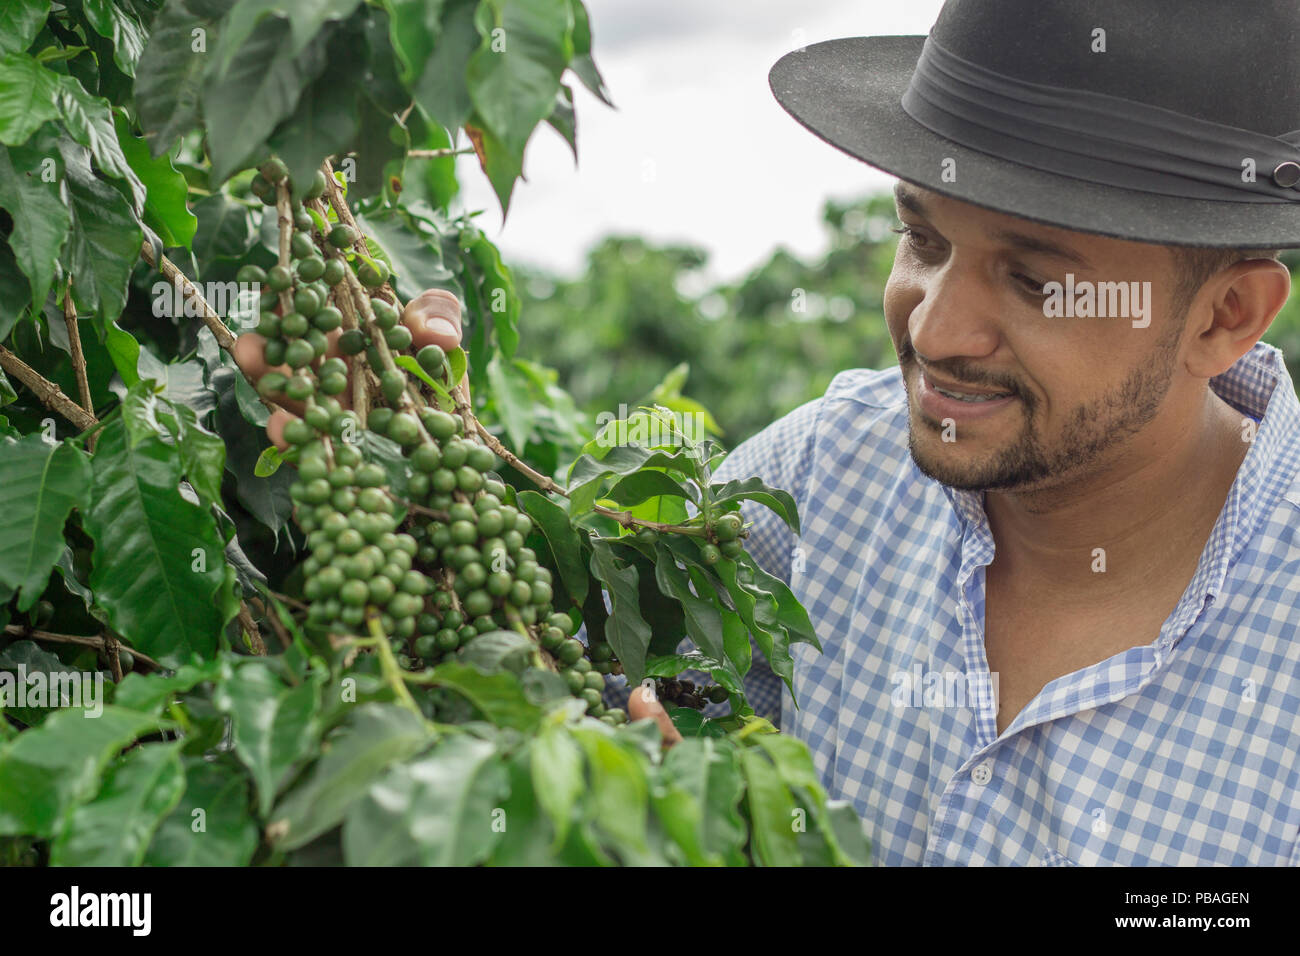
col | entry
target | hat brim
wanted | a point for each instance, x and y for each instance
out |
(848, 92)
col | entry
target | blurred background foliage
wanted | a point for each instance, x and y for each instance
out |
(756, 349)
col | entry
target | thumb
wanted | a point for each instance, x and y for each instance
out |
(642, 704)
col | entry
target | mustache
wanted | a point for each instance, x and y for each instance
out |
(956, 370)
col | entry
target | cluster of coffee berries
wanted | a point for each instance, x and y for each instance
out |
(446, 562)
(725, 535)
(684, 693)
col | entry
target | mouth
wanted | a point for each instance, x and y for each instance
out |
(946, 400)
(974, 395)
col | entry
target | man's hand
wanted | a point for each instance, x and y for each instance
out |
(433, 318)
(643, 703)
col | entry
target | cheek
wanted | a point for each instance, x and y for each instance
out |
(902, 294)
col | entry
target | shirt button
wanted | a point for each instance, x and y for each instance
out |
(981, 774)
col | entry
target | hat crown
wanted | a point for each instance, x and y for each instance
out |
(1235, 63)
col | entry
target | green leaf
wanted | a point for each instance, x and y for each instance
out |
(225, 229)
(48, 771)
(709, 771)
(15, 292)
(772, 811)
(169, 76)
(246, 18)
(90, 122)
(588, 473)
(703, 619)
(499, 696)
(565, 541)
(149, 542)
(558, 779)
(266, 73)
(513, 84)
(513, 402)
(794, 765)
(376, 736)
(268, 462)
(458, 362)
(415, 258)
(273, 726)
(626, 630)
(563, 121)
(325, 120)
(165, 206)
(203, 455)
(28, 97)
(105, 239)
(43, 482)
(414, 26)
(441, 89)
(150, 693)
(41, 219)
(25, 659)
(498, 650)
(20, 21)
(755, 489)
(115, 828)
(620, 792)
(582, 64)
(113, 23)
(211, 825)
(650, 483)
(124, 351)
(496, 290)
(501, 165)
(443, 809)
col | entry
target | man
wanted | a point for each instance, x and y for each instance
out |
(1052, 558)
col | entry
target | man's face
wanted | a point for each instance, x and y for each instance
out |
(965, 306)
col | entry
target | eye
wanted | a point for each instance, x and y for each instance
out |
(912, 237)
(1035, 287)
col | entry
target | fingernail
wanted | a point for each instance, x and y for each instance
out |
(439, 326)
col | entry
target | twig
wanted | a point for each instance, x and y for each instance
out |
(264, 611)
(225, 338)
(245, 619)
(436, 153)
(74, 346)
(536, 477)
(97, 642)
(111, 647)
(50, 395)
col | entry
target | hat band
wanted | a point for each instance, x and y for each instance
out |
(1099, 138)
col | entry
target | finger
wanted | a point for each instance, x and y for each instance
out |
(248, 355)
(643, 704)
(275, 428)
(433, 317)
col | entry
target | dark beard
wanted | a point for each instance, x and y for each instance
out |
(1092, 429)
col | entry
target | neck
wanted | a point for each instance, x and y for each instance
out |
(1150, 512)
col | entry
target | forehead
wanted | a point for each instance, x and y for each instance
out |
(951, 214)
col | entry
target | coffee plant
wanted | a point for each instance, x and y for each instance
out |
(383, 637)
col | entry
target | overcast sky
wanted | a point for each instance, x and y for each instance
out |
(697, 150)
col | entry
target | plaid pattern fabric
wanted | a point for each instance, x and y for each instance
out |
(1185, 751)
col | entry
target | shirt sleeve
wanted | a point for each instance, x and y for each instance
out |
(780, 454)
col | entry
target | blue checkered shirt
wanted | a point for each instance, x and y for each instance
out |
(1184, 751)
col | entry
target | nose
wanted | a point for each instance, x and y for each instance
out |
(957, 315)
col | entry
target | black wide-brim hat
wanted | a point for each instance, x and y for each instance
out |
(1166, 121)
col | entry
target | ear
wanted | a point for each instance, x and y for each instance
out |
(1241, 301)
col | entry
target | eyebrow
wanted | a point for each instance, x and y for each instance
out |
(913, 203)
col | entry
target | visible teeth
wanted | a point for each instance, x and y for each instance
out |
(963, 397)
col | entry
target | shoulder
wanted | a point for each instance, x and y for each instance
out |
(872, 388)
